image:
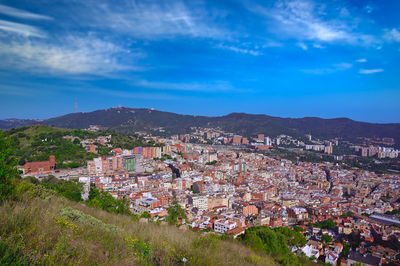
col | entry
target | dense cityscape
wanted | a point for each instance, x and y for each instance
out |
(200, 133)
(226, 183)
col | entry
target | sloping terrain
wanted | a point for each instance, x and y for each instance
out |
(43, 228)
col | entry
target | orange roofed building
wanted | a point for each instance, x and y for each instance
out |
(44, 167)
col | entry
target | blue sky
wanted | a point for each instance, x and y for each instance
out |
(282, 58)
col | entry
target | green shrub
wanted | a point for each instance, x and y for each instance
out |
(8, 169)
(105, 201)
(76, 215)
(275, 242)
(69, 189)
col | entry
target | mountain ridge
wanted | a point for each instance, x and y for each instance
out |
(128, 120)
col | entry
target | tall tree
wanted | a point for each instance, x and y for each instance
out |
(8, 169)
(175, 212)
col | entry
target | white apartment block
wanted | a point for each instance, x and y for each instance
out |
(224, 225)
(199, 201)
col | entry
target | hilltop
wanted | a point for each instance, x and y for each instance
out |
(38, 142)
(131, 120)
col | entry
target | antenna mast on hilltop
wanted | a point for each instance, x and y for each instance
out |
(76, 106)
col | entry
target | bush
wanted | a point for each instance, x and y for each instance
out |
(105, 201)
(76, 215)
(275, 242)
(69, 189)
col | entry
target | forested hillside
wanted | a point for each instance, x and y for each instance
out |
(128, 121)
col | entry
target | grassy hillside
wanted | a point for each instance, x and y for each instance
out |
(43, 228)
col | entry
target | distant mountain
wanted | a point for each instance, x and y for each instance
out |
(128, 120)
(13, 123)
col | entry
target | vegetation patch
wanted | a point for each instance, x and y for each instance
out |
(83, 218)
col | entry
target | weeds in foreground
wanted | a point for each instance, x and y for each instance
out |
(43, 228)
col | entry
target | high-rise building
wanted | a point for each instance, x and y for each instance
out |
(328, 149)
(267, 141)
(363, 152)
(129, 162)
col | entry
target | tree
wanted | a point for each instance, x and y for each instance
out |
(8, 169)
(346, 249)
(105, 201)
(326, 239)
(145, 215)
(275, 242)
(347, 214)
(327, 224)
(93, 192)
(175, 212)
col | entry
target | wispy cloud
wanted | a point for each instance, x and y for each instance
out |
(334, 68)
(302, 46)
(70, 55)
(307, 20)
(18, 13)
(392, 35)
(318, 46)
(154, 20)
(370, 71)
(369, 9)
(217, 86)
(343, 66)
(239, 50)
(361, 60)
(21, 29)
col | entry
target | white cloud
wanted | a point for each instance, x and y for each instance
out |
(343, 66)
(318, 46)
(361, 60)
(150, 20)
(307, 20)
(302, 46)
(21, 29)
(370, 71)
(71, 55)
(239, 50)
(392, 35)
(18, 13)
(334, 68)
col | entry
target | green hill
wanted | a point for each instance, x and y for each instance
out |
(38, 142)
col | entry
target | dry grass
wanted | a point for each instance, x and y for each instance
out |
(90, 237)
